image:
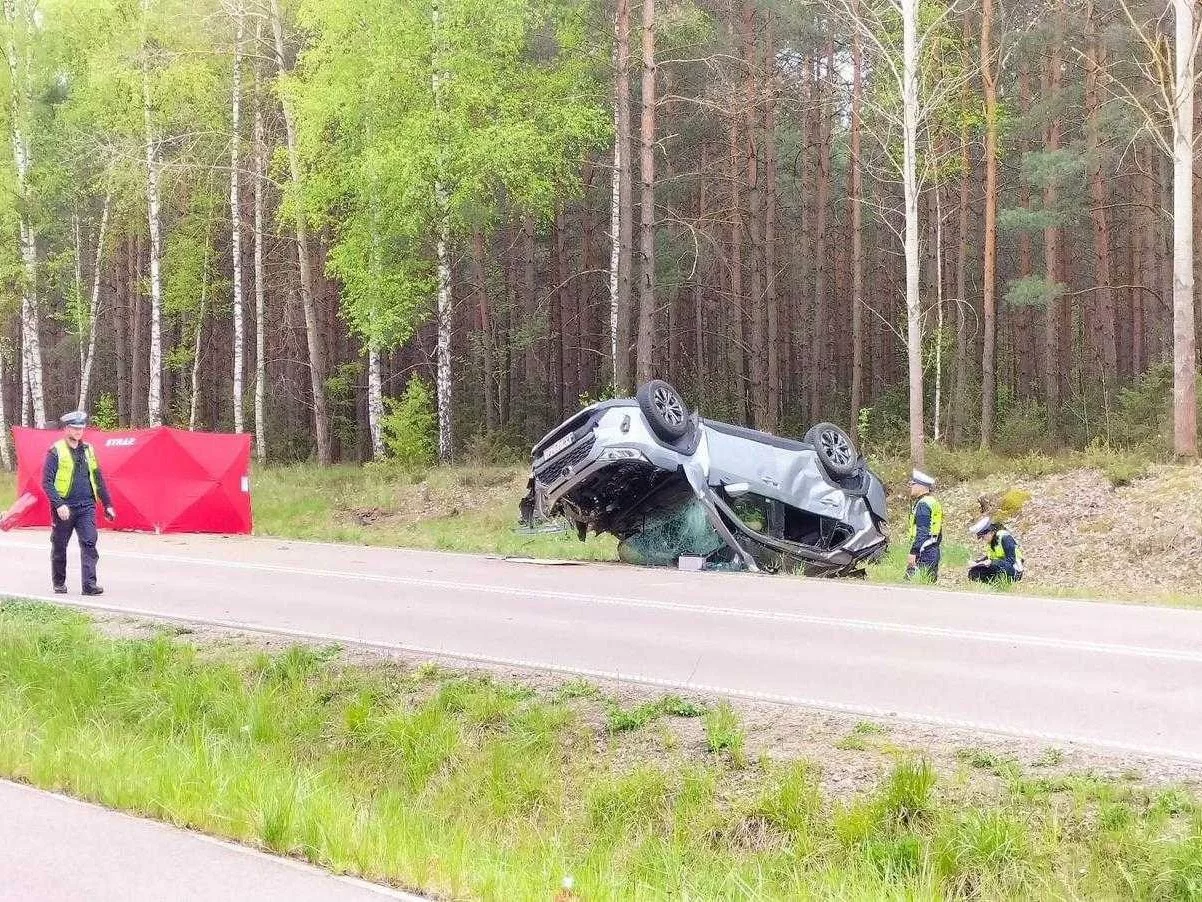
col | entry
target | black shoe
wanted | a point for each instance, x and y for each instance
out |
(60, 590)
(93, 590)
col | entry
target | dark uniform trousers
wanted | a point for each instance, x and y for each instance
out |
(82, 522)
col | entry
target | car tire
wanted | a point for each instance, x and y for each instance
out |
(834, 448)
(665, 410)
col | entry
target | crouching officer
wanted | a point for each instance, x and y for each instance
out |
(1003, 561)
(72, 481)
(926, 529)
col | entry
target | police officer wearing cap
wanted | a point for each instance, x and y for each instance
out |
(926, 529)
(74, 484)
(1003, 561)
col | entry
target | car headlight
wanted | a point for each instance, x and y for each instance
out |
(614, 454)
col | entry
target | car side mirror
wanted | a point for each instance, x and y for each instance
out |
(737, 489)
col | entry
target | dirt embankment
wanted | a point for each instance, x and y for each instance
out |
(1140, 541)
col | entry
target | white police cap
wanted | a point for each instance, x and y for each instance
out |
(74, 418)
(920, 478)
(982, 526)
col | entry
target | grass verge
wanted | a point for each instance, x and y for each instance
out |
(469, 787)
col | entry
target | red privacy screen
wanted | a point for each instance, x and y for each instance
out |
(161, 480)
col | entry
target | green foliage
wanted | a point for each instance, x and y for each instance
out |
(1033, 291)
(104, 414)
(724, 733)
(411, 426)
(409, 124)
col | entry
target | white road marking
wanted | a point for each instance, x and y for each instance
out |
(930, 632)
(976, 726)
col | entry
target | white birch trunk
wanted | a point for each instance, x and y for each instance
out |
(909, 92)
(26, 407)
(154, 396)
(375, 404)
(375, 387)
(194, 408)
(80, 319)
(445, 434)
(31, 347)
(236, 219)
(1185, 405)
(615, 224)
(445, 382)
(85, 379)
(260, 305)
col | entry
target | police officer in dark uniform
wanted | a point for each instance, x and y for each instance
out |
(73, 482)
(926, 529)
(1003, 560)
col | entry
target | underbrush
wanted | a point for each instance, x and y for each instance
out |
(469, 787)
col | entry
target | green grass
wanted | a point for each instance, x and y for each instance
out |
(724, 734)
(467, 509)
(468, 787)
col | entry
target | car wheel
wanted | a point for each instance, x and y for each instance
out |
(665, 410)
(834, 448)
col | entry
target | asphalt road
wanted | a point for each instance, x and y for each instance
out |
(1110, 676)
(55, 849)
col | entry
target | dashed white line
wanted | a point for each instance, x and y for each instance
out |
(930, 632)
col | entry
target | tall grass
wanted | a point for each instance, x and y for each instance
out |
(471, 788)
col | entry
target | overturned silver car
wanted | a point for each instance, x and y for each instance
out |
(670, 484)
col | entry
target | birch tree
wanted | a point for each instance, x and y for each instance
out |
(239, 16)
(408, 117)
(260, 279)
(19, 24)
(906, 108)
(1168, 116)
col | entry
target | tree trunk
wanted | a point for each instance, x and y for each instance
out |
(821, 203)
(236, 215)
(31, 343)
(89, 357)
(624, 232)
(484, 324)
(770, 287)
(197, 343)
(735, 350)
(260, 282)
(321, 417)
(989, 265)
(1107, 343)
(1185, 364)
(445, 325)
(154, 396)
(1051, 245)
(857, 235)
(532, 387)
(645, 340)
(6, 459)
(121, 332)
(909, 92)
(959, 412)
(1028, 359)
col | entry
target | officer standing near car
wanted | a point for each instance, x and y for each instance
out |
(926, 529)
(74, 484)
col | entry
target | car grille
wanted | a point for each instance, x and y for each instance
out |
(551, 470)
